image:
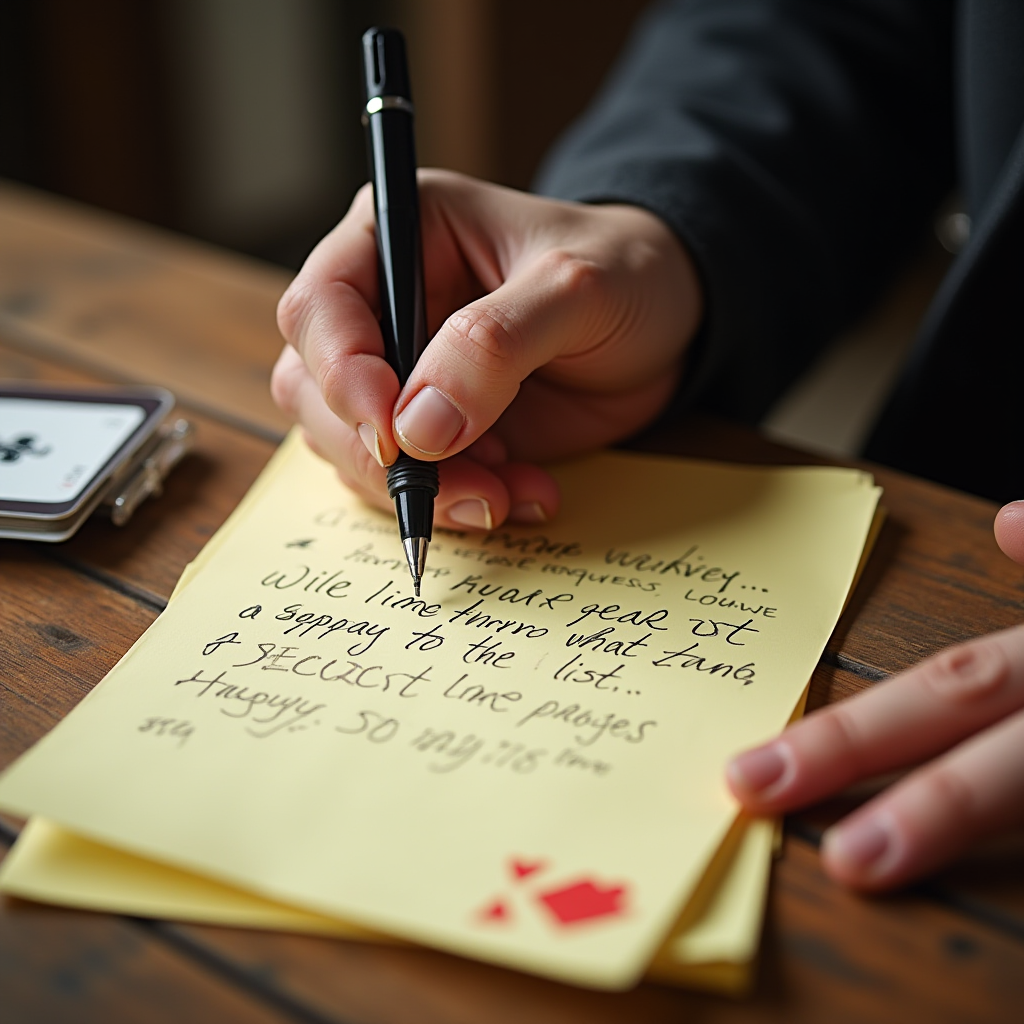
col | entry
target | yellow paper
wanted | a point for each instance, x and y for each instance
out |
(383, 775)
(712, 945)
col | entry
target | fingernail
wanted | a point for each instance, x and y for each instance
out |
(755, 770)
(368, 435)
(528, 512)
(474, 512)
(856, 845)
(430, 422)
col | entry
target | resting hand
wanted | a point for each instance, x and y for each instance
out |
(559, 328)
(963, 709)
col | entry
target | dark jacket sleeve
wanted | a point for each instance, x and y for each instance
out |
(797, 148)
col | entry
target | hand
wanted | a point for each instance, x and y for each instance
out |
(559, 328)
(964, 708)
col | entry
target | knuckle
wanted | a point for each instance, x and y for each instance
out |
(573, 275)
(487, 339)
(430, 177)
(842, 738)
(293, 310)
(967, 671)
(334, 383)
(947, 790)
(438, 178)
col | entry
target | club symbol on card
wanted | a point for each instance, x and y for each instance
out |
(566, 903)
(23, 444)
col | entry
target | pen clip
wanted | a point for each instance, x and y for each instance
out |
(385, 71)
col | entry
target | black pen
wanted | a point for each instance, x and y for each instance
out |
(403, 322)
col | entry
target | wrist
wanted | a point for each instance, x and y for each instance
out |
(654, 247)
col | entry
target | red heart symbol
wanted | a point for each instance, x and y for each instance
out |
(523, 868)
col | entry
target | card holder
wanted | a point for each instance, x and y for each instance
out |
(66, 453)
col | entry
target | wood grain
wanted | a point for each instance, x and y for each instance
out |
(140, 306)
(60, 633)
(63, 966)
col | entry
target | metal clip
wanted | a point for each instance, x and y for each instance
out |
(172, 443)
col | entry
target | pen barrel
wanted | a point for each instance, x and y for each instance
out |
(391, 150)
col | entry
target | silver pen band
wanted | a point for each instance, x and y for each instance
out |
(378, 103)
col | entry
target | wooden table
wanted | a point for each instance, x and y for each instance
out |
(85, 298)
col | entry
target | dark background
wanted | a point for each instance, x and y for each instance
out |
(237, 121)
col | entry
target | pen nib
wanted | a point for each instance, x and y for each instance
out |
(416, 556)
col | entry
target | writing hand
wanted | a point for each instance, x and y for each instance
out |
(559, 328)
(963, 709)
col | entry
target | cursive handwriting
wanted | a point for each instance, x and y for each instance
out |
(453, 751)
(688, 564)
(470, 616)
(287, 712)
(314, 581)
(691, 657)
(306, 622)
(610, 724)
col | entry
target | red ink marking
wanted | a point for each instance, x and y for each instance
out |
(496, 911)
(523, 868)
(584, 901)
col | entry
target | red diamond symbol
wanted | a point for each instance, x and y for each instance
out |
(584, 901)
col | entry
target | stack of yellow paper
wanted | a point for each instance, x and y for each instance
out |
(524, 766)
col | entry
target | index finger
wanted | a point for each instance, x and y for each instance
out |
(1009, 530)
(328, 314)
(897, 723)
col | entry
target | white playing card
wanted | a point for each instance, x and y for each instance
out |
(51, 450)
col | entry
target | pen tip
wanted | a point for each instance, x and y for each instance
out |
(416, 554)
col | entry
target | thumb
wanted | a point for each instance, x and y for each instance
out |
(471, 370)
(1009, 530)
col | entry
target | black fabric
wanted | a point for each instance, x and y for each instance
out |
(990, 64)
(799, 149)
(957, 415)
